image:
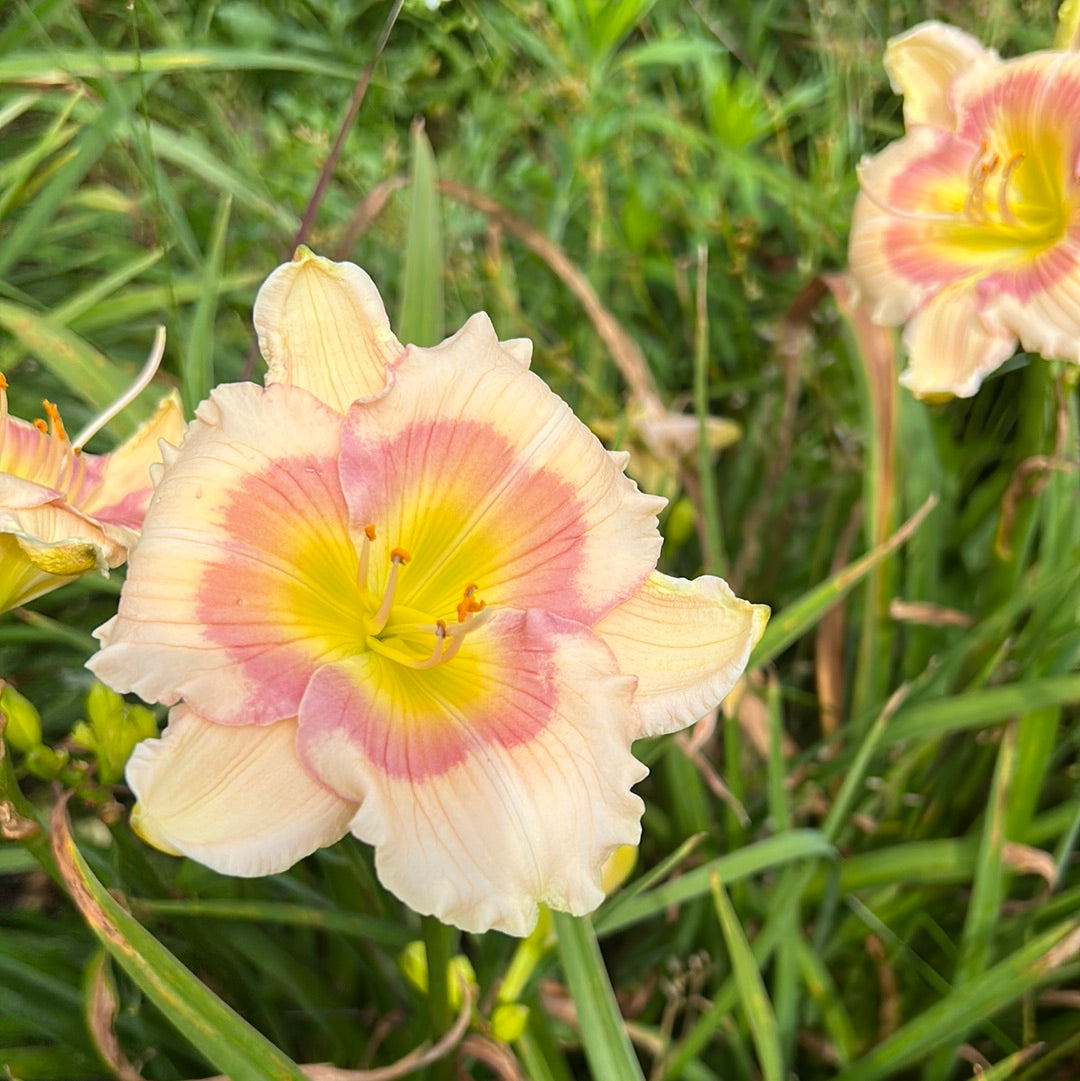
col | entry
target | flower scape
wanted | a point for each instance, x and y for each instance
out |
(405, 593)
(968, 228)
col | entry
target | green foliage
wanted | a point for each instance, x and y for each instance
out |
(868, 869)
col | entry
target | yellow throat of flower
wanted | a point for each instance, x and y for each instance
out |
(406, 635)
(1016, 199)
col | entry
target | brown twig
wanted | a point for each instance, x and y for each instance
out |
(624, 351)
(417, 1059)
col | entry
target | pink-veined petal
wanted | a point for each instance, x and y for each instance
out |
(909, 233)
(322, 326)
(236, 799)
(244, 578)
(496, 782)
(950, 348)
(486, 477)
(686, 642)
(123, 487)
(1041, 301)
(46, 544)
(922, 64)
(1028, 105)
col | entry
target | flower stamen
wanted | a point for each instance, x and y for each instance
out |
(58, 429)
(365, 558)
(1004, 207)
(398, 558)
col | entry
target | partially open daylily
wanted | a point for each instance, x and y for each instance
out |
(404, 592)
(64, 512)
(968, 228)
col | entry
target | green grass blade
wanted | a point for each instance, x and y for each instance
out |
(829, 1001)
(956, 1014)
(347, 924)
(751, 860)
(607, 1047)
(988, 889)
(797, 618)
(197, 365)
(87, 301)
(752, 995)
(980, 709)
(422, 304)
(71, 359)
(48, 203)
(213, 1027)
(57, 66)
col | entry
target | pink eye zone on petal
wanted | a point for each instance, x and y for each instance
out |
(414, 725)
(281, 595)
(472, 510)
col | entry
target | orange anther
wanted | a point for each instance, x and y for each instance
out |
(399, 555)
(3, 382)
(369, 532)
(41, 426)
(54, 415)
(469, 603)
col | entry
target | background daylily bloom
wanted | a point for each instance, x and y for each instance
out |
(64, 512)
(968, 228)
(429, 616)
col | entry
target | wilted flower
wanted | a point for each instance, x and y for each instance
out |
(64, 512)
(968, 228)
(405, 593)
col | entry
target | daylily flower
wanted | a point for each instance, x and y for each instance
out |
(404, 592)
(63, 512)
(968, 228)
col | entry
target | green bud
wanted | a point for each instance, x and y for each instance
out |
(681, 523)
(23, 724)
(45, 763)
(114, 729)
(462, 976)
(413, 964)
(508, 1021)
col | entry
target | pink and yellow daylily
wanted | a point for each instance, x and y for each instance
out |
(404, 592)
(63, 512)
(968, 228)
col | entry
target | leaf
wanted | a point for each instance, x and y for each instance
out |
(213, 1027)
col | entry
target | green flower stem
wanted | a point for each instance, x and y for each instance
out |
(603, 1034)
(438, 948)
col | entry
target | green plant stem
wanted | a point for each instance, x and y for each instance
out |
(603, 1033)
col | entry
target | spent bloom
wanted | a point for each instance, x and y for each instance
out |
(405, 593)
(64, 512)
(968, 228)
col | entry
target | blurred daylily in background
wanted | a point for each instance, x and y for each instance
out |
(64, 512)
(404, 592)
(968, 228)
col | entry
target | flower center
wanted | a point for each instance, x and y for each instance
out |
(41, 452)
(1014, 197)
(404, 634)
(49, 456)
